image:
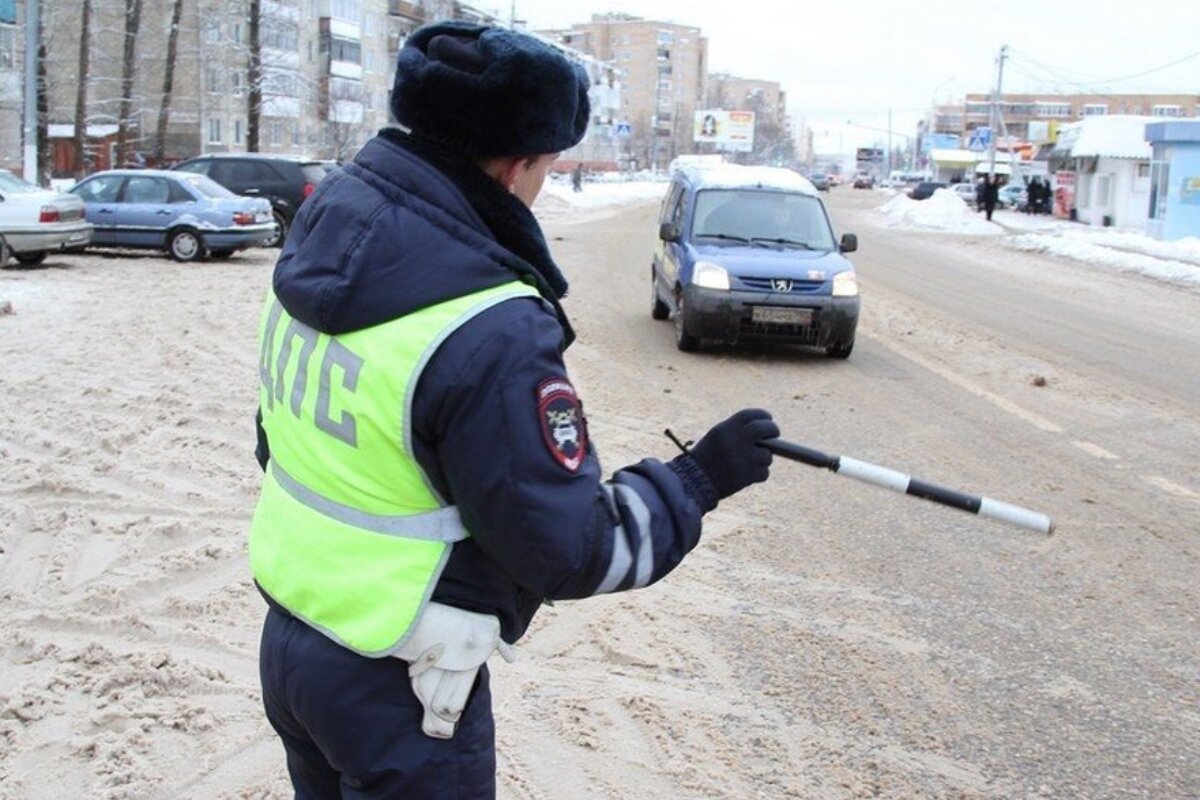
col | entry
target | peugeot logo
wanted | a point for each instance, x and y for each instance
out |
(781, 285)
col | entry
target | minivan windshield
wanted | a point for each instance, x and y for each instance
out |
(761, 217)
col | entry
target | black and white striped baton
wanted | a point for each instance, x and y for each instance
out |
(898, 481)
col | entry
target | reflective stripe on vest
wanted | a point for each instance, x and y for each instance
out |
(349, 534)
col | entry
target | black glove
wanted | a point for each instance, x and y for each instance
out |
(731, 455)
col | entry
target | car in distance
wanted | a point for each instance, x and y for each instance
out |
(1011, 195)
(864, 180)
(36, 221)
(964, 190)
(187, 215)
(748, 253)
(284, 181)
(925, 189)
(820, 181)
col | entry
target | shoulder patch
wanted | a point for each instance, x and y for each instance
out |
(560, 415)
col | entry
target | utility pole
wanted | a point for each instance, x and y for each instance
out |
(889, 140)
(32, 26)
(995, 115)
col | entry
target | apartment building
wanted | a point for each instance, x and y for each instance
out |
(12, 52)
(1030, 117)
(326, 74)
(661, 67)
(773, 137)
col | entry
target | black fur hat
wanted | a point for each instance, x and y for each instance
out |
(489, 91)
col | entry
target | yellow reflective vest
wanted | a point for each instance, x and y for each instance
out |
(348, 534)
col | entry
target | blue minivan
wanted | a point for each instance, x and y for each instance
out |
(749, 253)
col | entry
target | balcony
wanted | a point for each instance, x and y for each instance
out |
(412, 11)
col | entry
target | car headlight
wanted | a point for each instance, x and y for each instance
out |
(845, 284)
(710, 276)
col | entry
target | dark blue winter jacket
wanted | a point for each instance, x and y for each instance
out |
(392, 234)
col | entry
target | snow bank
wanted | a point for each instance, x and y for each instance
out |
(944, 211)
(602, 194)
(1089, 247)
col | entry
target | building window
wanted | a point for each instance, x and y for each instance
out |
(666, 38)
(1053, 110)
(214, 80)
(1094, 110)
(275, 133)
(349, 10)
(978, 108)
(8, 37)
(237, 33)
(295, 133)
(214, 131)
(280, 35)
(346, 50)
(212, 32)
(237, 82)
(1166, 111)
(237, 131)
(1160, 175)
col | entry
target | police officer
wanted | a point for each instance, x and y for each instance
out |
(429, 474)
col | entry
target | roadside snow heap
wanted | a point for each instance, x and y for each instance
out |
(944, 211)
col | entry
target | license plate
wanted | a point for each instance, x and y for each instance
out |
(781, 316)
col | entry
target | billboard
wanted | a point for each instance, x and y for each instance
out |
(869, 155)
(939, 141)
(729, 130)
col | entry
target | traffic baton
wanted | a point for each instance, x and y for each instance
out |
(906, 484)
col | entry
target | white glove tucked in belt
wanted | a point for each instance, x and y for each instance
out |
(445, 651)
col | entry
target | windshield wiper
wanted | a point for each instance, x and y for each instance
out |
(727, 236)
(805, 245)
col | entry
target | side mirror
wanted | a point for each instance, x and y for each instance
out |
(849, 243)
(668, 232)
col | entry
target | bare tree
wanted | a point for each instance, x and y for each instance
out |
(164, 110)
(254, 77)
(133, 18)
(45, 158)
(81, 92)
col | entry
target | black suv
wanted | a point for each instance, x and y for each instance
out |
(284, 181)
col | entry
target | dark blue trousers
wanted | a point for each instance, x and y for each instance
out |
(351, 726)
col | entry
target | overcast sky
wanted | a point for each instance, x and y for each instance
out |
(844, 63)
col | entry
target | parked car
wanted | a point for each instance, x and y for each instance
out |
(820, 181)
(1011, 195)
(286, 182)
(925, 189)
(864, 180)
(749, 253)
(36, 221)
(966, 191)
(187, 215)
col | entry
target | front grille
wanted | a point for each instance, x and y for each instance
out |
(798, 286)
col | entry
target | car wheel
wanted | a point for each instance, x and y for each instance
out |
(840, 350)
(683, 340)
(281, 229)
(4, 251)
(658, 309)
(184, 244)
(31, 259)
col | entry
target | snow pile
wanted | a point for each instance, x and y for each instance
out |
(1101, 247)
(561, 199)
(944, 211)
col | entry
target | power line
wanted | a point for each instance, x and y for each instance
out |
(1053, 71)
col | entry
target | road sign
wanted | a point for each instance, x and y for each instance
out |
(623, 129)
(981, 139)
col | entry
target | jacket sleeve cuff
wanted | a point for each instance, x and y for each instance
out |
(695, 481)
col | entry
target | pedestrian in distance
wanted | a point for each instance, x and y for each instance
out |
(429, 475)
(577, 177)
(991, 195)
(980, 190)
